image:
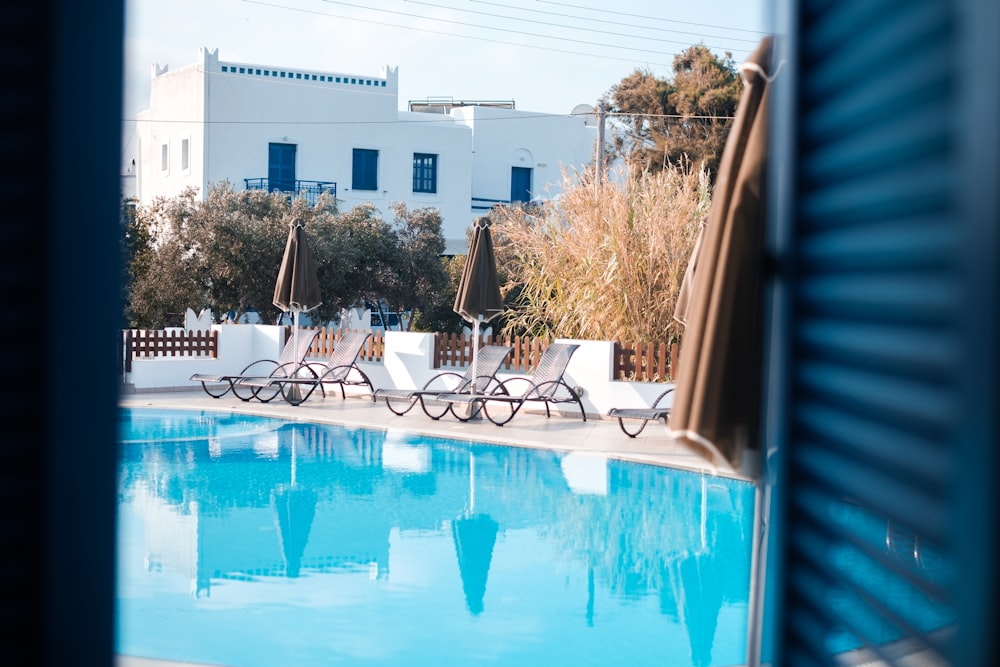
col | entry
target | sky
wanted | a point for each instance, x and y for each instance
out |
(546, 55)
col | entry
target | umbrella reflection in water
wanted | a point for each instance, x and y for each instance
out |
(474, 535)
(294, 510)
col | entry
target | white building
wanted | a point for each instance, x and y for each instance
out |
(290, 129)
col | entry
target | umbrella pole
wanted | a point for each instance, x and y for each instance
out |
(293, 388)
(475, 352)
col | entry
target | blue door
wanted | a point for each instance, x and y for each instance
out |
(520, 184)
(281, 167)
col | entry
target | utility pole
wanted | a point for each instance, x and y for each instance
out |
(601, 116)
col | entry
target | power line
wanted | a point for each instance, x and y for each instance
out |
(569, 27)
(451, 34)
(528, 45)
(652, 18)
(508, 30)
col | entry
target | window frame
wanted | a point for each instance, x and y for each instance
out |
(425, 170)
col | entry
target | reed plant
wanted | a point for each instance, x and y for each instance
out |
(605, 260)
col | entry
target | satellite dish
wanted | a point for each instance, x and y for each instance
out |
(587, 111)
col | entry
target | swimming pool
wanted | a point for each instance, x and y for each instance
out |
(248, 541)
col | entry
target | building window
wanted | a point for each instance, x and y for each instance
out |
(185, 154)
(424, 172)
(164, 158)
(365, 171)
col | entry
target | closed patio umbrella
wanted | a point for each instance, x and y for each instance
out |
(717, 400)
(297, 287)
(478, 299)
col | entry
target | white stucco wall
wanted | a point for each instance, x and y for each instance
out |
(544, 143)
(407, 363)
(175, 114)
(229, 118)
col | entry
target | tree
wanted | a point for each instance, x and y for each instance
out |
(681, 121)
(164, 282)
(366, 267)
(135, 249)
(438, 314)
(420, 272)
(237, 239)
(223, 253)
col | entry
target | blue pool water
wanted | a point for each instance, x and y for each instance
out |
(247, 541)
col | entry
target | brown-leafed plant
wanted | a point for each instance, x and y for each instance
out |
(602, 262)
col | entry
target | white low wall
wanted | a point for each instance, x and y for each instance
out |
(407, 363)
(238, 346)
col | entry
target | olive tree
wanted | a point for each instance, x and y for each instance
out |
(223, 253)
(421, 275)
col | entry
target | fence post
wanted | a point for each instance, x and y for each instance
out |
(128, 350)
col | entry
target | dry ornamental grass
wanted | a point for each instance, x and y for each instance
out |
(602, 262)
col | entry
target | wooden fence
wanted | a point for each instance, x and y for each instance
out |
(326, 341)
(456, 350)
(145, 344)
(646, 362)
(638, 362)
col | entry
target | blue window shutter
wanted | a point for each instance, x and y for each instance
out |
(365, 169)
(882, 381)
(520, 184)
(281, 167)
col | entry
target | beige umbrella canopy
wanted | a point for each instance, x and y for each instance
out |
(717, 400)
(478, 299)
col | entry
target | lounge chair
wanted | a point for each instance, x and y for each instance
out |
(644, 415)
(488, 361)
(219, 385)
(545, 386)
(341, 369)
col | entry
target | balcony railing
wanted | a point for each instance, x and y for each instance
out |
(310, 190)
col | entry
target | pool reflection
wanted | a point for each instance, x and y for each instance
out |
(305, 501)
